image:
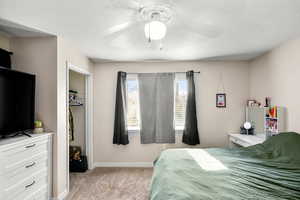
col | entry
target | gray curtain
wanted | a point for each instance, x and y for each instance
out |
(157, 107)
(190, 132)
(120, 126)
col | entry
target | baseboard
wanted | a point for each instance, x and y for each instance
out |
(123, 164)
(61, 196)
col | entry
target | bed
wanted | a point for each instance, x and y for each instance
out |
(267, 171)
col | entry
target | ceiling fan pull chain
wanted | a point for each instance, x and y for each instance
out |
(161, 45)
(149, 39)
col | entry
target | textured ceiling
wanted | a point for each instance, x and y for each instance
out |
(199, 29)
(16, 30)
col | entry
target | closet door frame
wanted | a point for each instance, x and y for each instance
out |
(88, 115)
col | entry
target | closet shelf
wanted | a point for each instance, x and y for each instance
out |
(74, 99)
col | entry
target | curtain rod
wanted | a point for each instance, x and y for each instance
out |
(158, 72)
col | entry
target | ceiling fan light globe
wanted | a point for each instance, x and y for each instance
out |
(155, 30)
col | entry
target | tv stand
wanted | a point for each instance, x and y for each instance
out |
(21, 133)
(16, 134)
(24, 133)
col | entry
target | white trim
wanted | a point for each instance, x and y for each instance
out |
(72, 67)
(50, 163)
(123, 164)
(89, 120)
(133, 128)
(61, 196)
(67, 127)
(88, 116)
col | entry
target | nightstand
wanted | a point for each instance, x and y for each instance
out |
(236, 139)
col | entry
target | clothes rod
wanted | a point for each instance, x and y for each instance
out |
(160, 72)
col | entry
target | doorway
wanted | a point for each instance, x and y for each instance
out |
(79, 122)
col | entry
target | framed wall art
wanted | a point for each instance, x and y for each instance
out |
(221, 100)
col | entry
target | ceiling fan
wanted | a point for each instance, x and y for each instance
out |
(156, 17)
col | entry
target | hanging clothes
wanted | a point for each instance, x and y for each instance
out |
(71, 125)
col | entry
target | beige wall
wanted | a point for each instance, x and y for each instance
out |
(47, 57)
(39, 56)
(214, 123)
(77, 83)
(4, 42)
(276, 74)
(67, 52)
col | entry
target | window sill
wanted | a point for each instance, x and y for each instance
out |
(133, 131)
(136, 131)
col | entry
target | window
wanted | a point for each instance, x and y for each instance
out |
(133, 121)
(180, 102)
(133, 107)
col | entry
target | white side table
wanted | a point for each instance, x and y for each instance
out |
(236, 139)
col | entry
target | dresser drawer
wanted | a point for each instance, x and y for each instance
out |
(26, 187)
(21, 152)
(40, 194)
(23, 169)
(239, 142)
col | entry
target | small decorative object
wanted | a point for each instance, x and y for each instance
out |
(253, 102)
(38, 126)
(78, 162)
(273, 112)
(247, 126)
(267, 101)
(247, 129)
(221, 100)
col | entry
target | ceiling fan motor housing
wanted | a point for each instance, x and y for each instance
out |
(160, 12)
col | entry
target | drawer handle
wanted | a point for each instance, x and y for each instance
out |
(30, 146)
(31, 165)
(31, 184)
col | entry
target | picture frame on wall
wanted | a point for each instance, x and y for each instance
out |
(221, 100)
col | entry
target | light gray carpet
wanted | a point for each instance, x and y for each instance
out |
(111, 184)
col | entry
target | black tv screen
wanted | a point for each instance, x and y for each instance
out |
(17, 101)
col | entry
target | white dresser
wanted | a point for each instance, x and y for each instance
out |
(26, 167)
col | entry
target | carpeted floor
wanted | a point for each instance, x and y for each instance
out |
(111, 184)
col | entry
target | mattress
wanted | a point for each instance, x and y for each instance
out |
(266, 171)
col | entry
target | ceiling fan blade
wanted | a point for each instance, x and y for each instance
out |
(128, 37)
(119, 29)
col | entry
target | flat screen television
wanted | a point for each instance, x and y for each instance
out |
(17, 102)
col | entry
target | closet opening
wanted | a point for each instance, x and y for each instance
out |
(79, 124)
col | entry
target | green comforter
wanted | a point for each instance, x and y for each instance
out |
(267, 171)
